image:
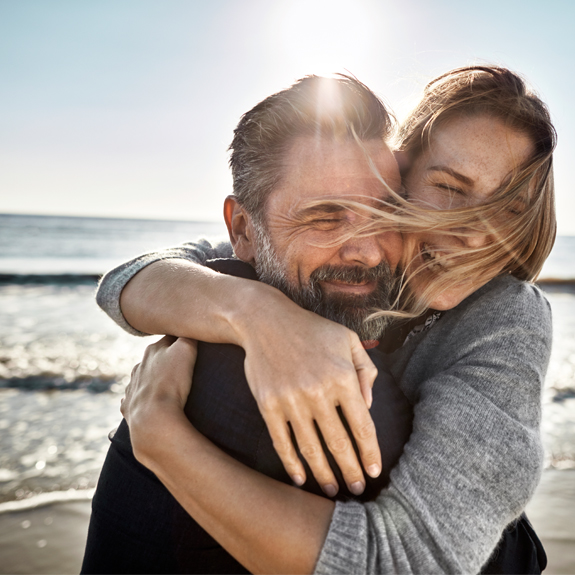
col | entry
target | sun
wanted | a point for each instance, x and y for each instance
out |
(325, 36)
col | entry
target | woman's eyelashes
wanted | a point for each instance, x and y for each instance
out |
(451, 189)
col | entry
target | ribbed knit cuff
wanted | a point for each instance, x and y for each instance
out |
(112, 284)
(341, 552)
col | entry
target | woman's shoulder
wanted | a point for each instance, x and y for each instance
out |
(507, 286)
(496, 340)
(505, 316)
(505, 299)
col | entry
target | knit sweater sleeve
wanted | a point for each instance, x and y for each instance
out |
(111, 285)
(475, 455)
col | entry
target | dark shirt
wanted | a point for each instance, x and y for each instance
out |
(136, 524)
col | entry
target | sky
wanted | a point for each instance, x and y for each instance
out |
(125, 108)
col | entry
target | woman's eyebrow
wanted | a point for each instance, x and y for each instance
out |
(463, 179)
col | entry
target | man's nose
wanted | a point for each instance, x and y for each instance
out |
(366, 251)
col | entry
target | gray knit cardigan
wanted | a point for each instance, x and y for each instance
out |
(475, 455)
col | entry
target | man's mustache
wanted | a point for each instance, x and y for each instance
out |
(350, 274)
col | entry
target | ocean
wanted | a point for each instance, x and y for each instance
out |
(64, 364)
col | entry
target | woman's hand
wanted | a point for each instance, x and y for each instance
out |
(157, 393)
(300, 368)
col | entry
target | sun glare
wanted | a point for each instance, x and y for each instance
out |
(326, 36)
(329, 98)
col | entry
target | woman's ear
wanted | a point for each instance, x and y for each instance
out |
(240, 230)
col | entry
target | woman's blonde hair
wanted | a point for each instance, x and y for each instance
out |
(523, 237)
(499, 93)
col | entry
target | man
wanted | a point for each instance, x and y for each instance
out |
(136, 524)
(288, 153)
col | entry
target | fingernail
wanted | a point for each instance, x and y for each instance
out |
(298, 480)
(373, 470)
(357, 488)
(330, 490)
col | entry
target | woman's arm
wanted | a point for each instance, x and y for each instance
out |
(111, 286)
(266, 525)
(470, 467)
(475, 454)
(299, 366)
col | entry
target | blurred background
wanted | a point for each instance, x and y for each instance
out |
(115, 117)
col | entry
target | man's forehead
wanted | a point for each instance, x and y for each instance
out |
(318, 151)
(335, 168)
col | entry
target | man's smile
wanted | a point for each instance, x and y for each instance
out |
(355, 288)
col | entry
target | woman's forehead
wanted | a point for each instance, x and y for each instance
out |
(481, 148)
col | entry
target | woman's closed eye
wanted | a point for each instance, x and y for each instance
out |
(451, 189)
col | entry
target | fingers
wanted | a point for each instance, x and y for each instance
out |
(283, 444)
(124, 402)
(358, 416)
(178, 349)
(366, 371)
(162, 343)
(187, 348)
(364, 432)
(309, 445)
(338, 442)
(165, 374)
(311, 449)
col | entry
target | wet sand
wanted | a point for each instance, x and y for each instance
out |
(552, 513)
(50, 537)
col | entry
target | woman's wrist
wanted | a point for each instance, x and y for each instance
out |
(252, 308)
(155, 429)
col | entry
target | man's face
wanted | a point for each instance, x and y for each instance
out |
(302, 251)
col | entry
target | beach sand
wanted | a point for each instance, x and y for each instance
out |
(50, 536)
(552, 513)
(46, 539)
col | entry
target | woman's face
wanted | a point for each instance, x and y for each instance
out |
(468, 159)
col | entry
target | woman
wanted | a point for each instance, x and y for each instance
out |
(404, 529)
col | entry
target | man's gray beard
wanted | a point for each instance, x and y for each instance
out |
(348, 310)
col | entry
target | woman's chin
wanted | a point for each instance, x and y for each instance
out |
(447, 301)
(453, 297)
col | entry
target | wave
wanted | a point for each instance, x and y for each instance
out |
(92, 278)
(555, 281)
(47, 382)
(48, 498)
(43, 279)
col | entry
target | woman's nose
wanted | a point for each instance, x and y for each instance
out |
(475, 240)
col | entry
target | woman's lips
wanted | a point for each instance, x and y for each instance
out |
(363, 288)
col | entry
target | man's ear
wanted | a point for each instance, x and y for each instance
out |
(240, 230)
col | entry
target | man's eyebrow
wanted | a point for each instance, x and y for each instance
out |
(319, 210)
(463, 179)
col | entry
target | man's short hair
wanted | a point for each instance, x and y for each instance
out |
(340, 107)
